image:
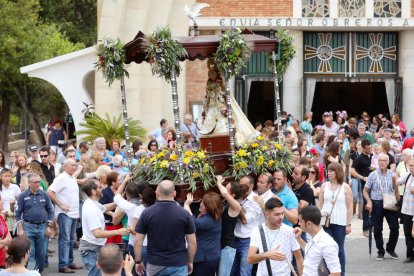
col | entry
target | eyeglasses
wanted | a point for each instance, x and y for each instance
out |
(43, 156)
(153, 145)
(35, 182)
(312, 172)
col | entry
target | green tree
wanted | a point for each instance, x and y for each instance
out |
(77, 19)
(24, 40)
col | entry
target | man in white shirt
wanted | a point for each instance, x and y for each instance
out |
(280, 243)
(251, 213)
(321, 247)
(264, 192)
(64, 192)
(93, 226)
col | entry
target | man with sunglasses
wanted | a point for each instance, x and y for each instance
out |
(47, 168)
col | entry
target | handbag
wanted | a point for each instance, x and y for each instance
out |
(389, 200)
(326, 219)
(264, 244)
(323, 268)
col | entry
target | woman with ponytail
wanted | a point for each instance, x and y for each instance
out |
(18, 251)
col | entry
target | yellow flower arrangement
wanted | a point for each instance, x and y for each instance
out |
(196, 167)
(259, 156)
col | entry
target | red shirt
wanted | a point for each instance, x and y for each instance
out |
(3, 234)
(408, 143)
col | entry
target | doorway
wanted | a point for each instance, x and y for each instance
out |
(354, 97)
(261, 104)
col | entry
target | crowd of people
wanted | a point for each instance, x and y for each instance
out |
(282, 223)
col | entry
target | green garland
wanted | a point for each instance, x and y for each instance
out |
(287, 53)
(164, 53)
(232, 52)
(111, 58)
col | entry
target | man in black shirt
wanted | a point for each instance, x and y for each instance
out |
(302, 190)
(47, 168)
(361, 168)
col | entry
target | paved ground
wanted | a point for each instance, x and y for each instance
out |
(359, 262)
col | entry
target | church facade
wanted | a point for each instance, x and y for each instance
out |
(353, 55)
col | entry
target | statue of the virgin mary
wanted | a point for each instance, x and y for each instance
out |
(214, 118)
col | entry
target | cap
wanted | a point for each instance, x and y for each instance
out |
(33, 148)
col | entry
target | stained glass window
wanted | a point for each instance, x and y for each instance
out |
(351, 8)
(315, 8)
(387, 8)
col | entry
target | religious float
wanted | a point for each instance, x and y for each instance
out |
(229, 144)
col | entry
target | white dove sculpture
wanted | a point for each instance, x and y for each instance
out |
(194, 11)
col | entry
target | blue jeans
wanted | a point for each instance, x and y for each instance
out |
(240, 266)
(173, 271)
(356, 190)
(35, 233)
(338, 233)
(226, 260)
(89, 258)
(67, 231)
(377, 217)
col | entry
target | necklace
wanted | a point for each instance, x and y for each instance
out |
(270, 237)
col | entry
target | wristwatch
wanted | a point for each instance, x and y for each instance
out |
(138, 261)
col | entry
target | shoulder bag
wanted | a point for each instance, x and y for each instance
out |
(264, 244)
(326, 219)
(389, 200)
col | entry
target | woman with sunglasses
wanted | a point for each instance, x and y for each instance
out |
(314, 183)
(152, 147)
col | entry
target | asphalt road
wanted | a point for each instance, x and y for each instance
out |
(358, 262)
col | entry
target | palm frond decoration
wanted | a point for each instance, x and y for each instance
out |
(110, 128)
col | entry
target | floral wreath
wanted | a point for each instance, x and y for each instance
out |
(232, 52)
(287, 52)
(111, 57)
(164, 53)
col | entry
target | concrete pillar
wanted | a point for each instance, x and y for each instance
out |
(292, 81)
(406, 51)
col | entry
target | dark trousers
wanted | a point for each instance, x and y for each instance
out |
(365, 216)
(377, 216)
(206, 268)
(338, 233)
(409, 240)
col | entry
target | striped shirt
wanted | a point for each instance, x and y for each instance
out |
(378, 183)
(408, 199)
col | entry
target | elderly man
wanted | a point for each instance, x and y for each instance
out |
(64, 192)
(330, 127)
(189, 127)
(379, 182)
(34, 218)
(363, 134)
(407, 209)
(167, 252)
